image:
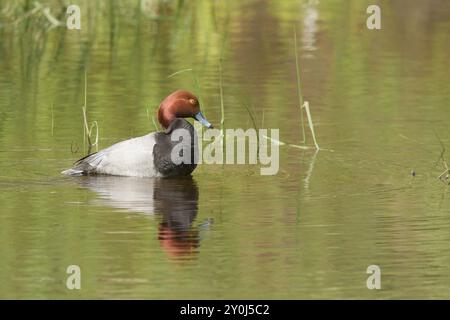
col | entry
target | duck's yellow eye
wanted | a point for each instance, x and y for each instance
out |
(192, 101)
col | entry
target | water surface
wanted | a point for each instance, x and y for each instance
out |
(380, 102)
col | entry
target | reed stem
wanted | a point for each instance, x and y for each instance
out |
(299, 89)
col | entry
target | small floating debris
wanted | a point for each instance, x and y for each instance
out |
(445, 175)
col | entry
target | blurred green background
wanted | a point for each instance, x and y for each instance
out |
(379, 99)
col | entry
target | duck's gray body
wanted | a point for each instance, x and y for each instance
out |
(146, 156)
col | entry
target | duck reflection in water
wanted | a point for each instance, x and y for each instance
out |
(175, 199)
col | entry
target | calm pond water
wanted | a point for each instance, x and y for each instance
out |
(380, 105)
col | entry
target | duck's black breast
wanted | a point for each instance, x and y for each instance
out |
(185, 141)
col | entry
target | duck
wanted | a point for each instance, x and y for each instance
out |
(150, 155)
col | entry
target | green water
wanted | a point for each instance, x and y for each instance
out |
(379, 100)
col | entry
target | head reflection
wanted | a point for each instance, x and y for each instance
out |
(176, 200)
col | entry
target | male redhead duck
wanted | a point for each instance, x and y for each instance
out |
(149, 155)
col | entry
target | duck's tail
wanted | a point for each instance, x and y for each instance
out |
(72, 172)
(85, 165)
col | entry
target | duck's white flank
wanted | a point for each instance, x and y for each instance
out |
(133, 158)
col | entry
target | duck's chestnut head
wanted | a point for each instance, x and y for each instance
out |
(180, 104)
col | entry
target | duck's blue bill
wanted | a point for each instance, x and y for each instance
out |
(200, 118)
